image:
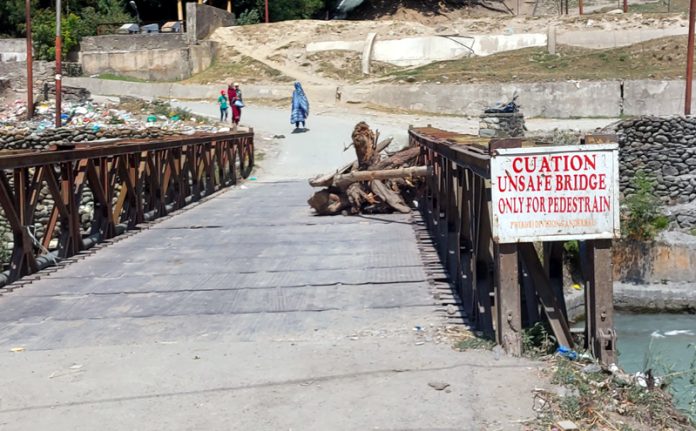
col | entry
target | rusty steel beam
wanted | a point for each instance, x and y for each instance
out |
(131, 181)
(599, 306)
(39, 158)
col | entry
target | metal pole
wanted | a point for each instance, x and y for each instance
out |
(30, 63)
(58, 66)
(266, 11)
(625, 6)
(580, 7)
(690, 59)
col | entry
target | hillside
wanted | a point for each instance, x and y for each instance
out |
(278, 52)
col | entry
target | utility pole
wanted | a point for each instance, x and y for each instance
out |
(30, 63)
(59, 77)
(266, 11)
(690, 59)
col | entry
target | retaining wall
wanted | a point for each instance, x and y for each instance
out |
(547, 99)
(106, 87)
(654, 97)
(570, 99)
(13, 50)
(603, 39)
(416, 51)
(151, 57)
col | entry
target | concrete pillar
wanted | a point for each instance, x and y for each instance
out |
(367, 52)
(191, 22)
(551, 40)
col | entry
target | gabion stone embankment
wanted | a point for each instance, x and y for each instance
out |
(665, 149)
(24, 139)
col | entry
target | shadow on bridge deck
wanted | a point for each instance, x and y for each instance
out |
(246, 312)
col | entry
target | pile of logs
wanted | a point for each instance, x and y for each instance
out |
(371, 184)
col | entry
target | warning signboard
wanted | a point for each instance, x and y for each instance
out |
(555, 193)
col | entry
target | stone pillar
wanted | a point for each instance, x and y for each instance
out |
(502, 125)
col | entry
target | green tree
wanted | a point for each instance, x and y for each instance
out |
(44, 33)
(12, 18)
(249, 16)
(280, 10)
(283, 10)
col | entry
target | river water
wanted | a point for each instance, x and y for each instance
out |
(668, 339)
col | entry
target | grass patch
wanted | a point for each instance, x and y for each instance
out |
(474, 342)
(230, 66)
(346, 66)
(659, 59)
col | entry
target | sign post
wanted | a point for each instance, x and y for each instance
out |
(555, 193)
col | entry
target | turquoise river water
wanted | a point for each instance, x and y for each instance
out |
(669, 340)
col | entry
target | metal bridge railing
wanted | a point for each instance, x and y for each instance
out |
(130, 181)
(504, 287)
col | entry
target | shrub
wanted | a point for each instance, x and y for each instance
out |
(642, 218)
(249, 16)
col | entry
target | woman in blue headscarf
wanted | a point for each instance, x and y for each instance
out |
(300, 107)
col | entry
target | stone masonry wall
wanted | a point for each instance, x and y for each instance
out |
(664, 148)
(502, 125)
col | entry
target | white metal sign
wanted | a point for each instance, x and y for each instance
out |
(555, 193)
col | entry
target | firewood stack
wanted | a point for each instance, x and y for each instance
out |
(371, 184)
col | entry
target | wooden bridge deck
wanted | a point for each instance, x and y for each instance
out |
(246, 312)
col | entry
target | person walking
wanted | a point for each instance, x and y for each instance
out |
(300, 108)
(236, 102)
(222, 101)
